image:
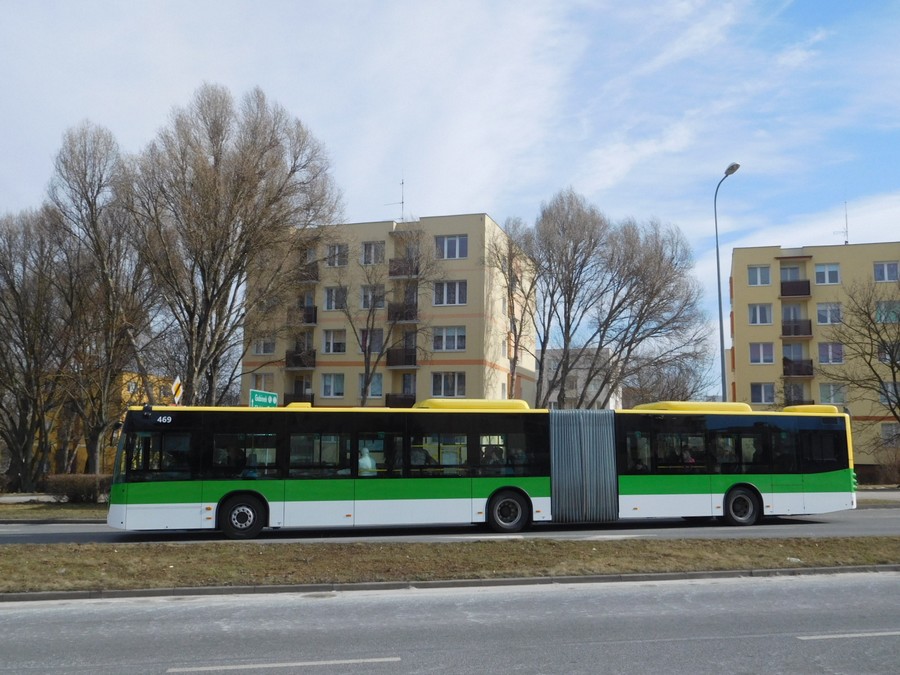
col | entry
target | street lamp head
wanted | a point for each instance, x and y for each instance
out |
(734, 166)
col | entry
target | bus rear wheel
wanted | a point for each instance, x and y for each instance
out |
(242, 517)
(742, 507)
(508, 512)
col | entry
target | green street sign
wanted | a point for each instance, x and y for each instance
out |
(263, 399)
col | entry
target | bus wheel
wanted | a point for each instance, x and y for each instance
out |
(242, 517)
(742, 507)
(508, 512)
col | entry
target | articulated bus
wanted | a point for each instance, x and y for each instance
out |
(454, 461)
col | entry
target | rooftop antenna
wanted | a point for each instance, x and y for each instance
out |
(846, 230)
(401, 202)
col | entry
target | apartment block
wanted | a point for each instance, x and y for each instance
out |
(786, 305)
(415, 304)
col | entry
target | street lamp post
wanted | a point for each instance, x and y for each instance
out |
(734, 166)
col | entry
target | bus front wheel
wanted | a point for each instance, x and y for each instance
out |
(508, 512)
(742, 507)
(242, 517)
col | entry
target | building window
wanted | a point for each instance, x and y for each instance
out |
(448, 384)
(758, 275)
(794, 393)
(889, 354)
(762, 392)
(335, 341)
(452, 247)
(890, 394)
(828, 273)
(886, 271)
(372, 253)
(888, 311)
(332, 385)
(375, 386)
(372, 297)
(372, 340)
(762, 352)
(450, 292)
(338, 255)
(450, 339)
(828, 313)
(831, 393)
(336, 297)
(760, 314)
(790, 273)
(890, 434)
(265, 345)
(408, 384)
(831, 353)
(262, 381)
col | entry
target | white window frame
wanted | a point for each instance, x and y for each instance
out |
(335, 298)
(756, 312)
(262, 381)
(264, 346)
(828, 274)
(833, 353)
(376, 386)
(372, 253)
(754, 272)
(443, 290)
(452, 246)
(887, 311)
(830, 311)
(832, 393)
(445, 336)
(332, 385)
(765, 391)
(890, 434)
(338, 255)
(371, 296)
(886, 271)
(448, 384)
(762, 353)
(335, 341)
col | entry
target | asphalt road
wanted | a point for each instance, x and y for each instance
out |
(861, 522)
(836, 624)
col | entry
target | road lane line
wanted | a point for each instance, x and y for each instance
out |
(847, 636)
(295, 664)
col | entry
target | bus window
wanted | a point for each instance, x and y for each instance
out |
(438, 455)
(244, 456)
(385, 451)
(315, 455)
(155, 456)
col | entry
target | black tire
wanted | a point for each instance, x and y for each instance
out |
(742, 507)
(508, 512)
(242, 517)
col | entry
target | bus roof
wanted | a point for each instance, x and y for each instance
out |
(695, 406)
(472, 404)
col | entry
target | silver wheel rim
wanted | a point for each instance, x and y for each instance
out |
(242, 517)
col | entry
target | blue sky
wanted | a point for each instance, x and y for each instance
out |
(490, 106)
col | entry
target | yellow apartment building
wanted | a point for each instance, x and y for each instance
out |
(421, 297)
(786, 306)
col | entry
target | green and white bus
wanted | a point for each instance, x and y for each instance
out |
(453, 461)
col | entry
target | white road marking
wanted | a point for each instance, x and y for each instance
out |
(847, 636)
(295, 664)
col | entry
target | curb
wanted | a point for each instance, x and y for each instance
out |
(425, 585)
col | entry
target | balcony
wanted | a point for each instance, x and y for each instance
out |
(401, 358)
(403, 311)
(795, 289)
(798, 367)
(798, 401)
(400, 400)
(403, 267)
(308, 273)
(303, 316)
(300, 360)
(291, 397)
(796, 328)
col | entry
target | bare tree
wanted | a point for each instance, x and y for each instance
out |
(869, 338)
(517, 272)
(104, 281)
(34, 327)
(614, 299)
(222, 194)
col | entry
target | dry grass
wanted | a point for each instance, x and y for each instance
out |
(33, 567)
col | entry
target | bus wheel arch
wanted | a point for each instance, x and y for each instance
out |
(242, 515)
(509, 510)
(742, 505)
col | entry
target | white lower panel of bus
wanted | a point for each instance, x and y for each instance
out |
(778, 503)
(157, 517)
